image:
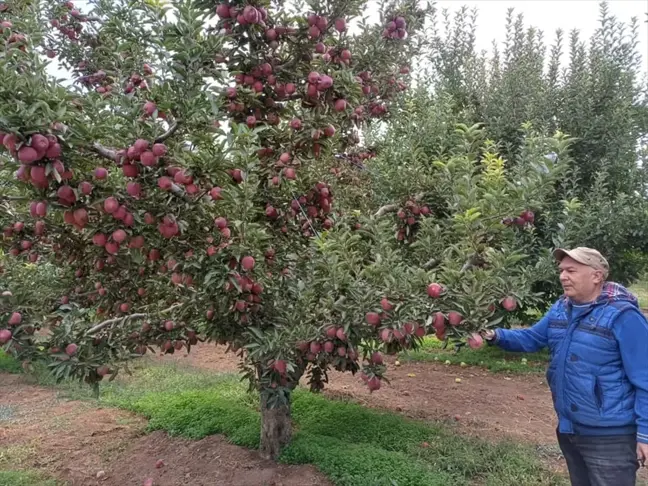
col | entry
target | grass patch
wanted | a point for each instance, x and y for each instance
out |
(489, 357)
(354, 445)
(640, 289)
(8, 364)
(15, 455)
(351, 444)
(22, 478)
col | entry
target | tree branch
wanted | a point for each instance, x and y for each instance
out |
(390, 208)
(109, 322)
(172, 129)
(104, 152)
(475, 260)
(431, 263)
(112, 153)
(466, 265)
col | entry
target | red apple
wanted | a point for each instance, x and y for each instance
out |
(280, 366)
(475, 341)
(509, 303)
(119, 236)
(341, 335)
(15, 319)
(434, 290)
(386, 305)
(373, 384)
(439, 321)
(5, 336)
(111, 205)
(372, 318)
(454, 318)
(71, 349)
(247, 263)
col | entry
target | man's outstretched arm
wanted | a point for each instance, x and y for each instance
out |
(522, 340)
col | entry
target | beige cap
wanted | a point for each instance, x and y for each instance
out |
(586, 256)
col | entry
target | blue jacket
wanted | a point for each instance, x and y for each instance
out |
(598, 371)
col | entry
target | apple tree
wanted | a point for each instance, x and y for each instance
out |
(175, 165)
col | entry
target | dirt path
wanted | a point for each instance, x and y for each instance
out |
(74, 441)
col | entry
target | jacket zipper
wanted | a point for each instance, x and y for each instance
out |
(560, 368)
(598, 393)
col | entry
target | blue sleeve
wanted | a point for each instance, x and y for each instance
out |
(631, 332)
(527, 340)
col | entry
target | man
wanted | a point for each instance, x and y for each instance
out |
(598, 371)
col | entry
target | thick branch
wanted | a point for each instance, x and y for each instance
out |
(475, 260)
(123, 320)
(388, 208)
(109, 322)
(104, 152)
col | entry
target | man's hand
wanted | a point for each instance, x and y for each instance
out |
(489, 335)
(642, 453)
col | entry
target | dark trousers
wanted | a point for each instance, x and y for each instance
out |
(600, 460)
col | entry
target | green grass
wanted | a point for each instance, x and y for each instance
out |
(489, 357)
(640, 289)
(351, 444)
(22, 478)
(9, 364)
(15, 456)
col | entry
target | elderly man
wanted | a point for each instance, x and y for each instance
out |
(598, 372)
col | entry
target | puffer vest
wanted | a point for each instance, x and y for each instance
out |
(590, 389)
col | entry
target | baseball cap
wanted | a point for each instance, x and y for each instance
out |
(586, 256)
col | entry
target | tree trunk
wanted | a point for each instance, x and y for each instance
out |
(276, 428)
